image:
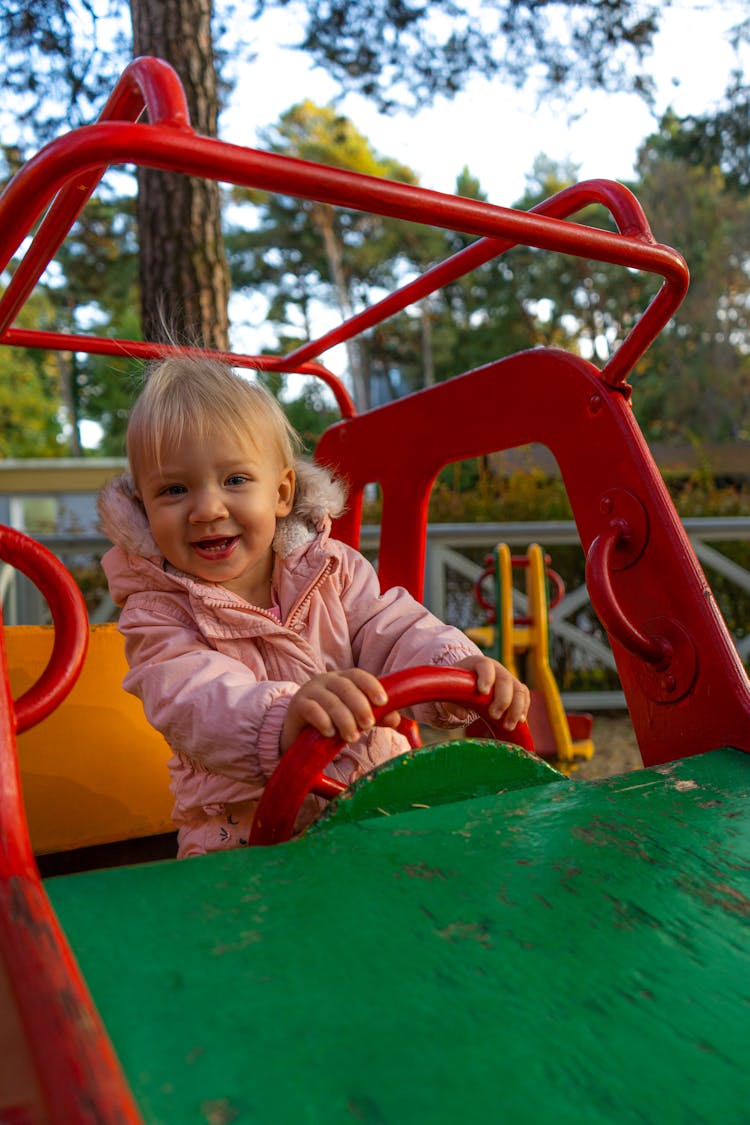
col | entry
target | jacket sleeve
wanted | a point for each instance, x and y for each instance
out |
(207, 705)
(391, 631)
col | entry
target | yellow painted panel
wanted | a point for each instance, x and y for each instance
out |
(95, 770)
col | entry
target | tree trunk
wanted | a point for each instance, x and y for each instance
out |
(323, 218)
(66, 369)
(428, 360)
(183, 269)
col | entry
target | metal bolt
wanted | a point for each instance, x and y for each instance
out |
(606, 504)
(595, 404)
(669, 684)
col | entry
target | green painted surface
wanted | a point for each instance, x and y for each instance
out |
(567, 953)
(450, 771)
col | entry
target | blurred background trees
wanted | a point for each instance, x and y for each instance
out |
(301, 266)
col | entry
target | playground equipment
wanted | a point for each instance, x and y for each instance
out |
(416, 955)
(508, 636)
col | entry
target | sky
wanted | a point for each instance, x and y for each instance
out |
(494, 129)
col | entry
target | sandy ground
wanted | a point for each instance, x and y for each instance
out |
(615, 748)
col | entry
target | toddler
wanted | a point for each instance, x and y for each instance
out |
(243, 620)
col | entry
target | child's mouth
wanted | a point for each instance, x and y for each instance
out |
(217, 547)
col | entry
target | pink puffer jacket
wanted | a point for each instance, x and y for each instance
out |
(215, 674)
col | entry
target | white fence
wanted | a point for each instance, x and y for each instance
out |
(449, 579)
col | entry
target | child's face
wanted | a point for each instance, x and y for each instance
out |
(212, 506)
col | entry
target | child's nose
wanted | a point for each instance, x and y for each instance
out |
(208, 506)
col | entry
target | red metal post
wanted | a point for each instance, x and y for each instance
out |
(78, 1074)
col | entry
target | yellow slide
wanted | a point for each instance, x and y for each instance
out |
(94, 771)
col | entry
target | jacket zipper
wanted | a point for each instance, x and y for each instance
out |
(305, 597)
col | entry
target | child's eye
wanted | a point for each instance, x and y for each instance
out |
(236, 479)
(173, 490)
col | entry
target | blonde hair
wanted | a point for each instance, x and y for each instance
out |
(188, 396)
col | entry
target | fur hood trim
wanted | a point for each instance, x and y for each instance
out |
(318, 498)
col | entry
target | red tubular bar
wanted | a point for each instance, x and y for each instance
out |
(141, 349)
(651, 650)
(159, 147)
(74, 164)
(71, 625)
(149, 84)
(622, 205)
(152, 85)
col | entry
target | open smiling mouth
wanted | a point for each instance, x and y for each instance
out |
(217, 547)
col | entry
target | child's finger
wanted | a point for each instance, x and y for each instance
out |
(485, 671)
(311, 712)
(349, 704)
(502, 694)
(518, 708)
(367, 683)
(392, 720)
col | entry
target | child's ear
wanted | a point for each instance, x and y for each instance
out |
(138, 499)
(285, 497)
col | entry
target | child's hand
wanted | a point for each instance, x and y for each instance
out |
(511, 698)
(336, 702)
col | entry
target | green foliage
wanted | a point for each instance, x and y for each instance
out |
(93, 282)
(307, 259)
(58, 64)
(61, 57)
(695, 378)
(521, 496)
(700, 495)
(31, 423)
(107, 388)
(301, 251)
(311, 412)
(400, 53)
(468, 492)
(720, 139)
(303, 254)
(32, 416)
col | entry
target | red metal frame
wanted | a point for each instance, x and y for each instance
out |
(672, 652)
(693, 697)
(65, 173)
(685, 686)
(78, 1074)
(69, 617)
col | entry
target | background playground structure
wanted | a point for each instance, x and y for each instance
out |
(519, 639)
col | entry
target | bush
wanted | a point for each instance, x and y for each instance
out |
(470, 493)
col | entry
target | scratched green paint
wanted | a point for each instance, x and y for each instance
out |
(569, 953)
